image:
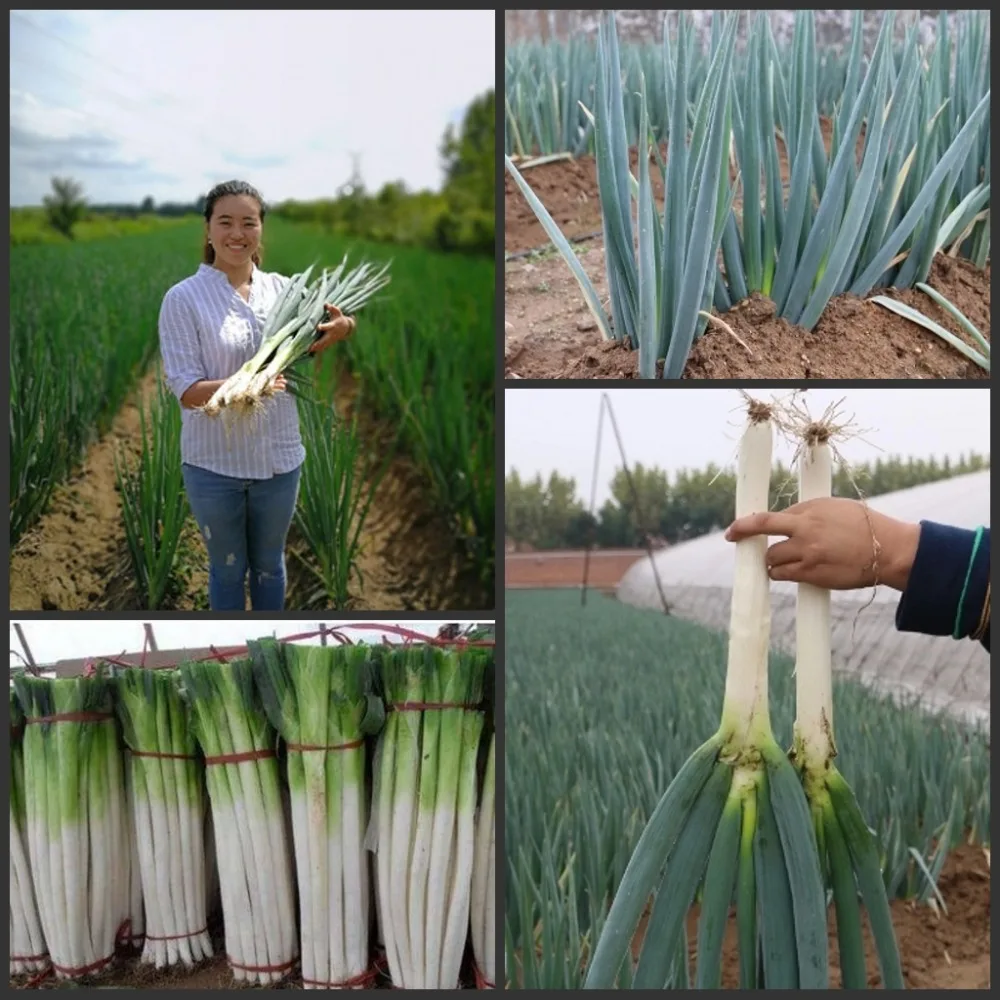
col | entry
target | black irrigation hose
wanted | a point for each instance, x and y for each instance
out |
(518, 254)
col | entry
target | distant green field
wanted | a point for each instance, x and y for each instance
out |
(84, 329)
(604, 703)
(30, 226)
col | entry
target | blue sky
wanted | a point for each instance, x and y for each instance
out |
(165, 103)
(550, 430)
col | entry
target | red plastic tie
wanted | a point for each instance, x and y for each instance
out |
(29, 958)
(303, 747)
(35, 981)
(239, 758)
(84, 970)
(482, 983)
(177, 937)
(286, 967)
(363, 979)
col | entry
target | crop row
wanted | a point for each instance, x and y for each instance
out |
(603, 705)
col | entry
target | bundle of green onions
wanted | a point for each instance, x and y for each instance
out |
(168, 807)
(77, 825)
(848, 853)
(483, 907)
(319, 700)
(255, 865)
(734, 820)
(291, 329)
(27, 944)
(425, 789)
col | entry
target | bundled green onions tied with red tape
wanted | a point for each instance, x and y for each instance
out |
(332, 829)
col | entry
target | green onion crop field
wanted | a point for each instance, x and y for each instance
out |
(726, 204)
(417, 378)
(604, 703)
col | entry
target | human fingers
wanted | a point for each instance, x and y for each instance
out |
(762, 523)
(342, 324)
(792, 572)
(783, 553)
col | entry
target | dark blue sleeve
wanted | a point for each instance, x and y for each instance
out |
(948, 589)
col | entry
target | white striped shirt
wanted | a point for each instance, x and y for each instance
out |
(207, 331)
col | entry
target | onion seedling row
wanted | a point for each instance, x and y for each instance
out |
(848, 221)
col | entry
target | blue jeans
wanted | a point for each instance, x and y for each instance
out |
(244, 523)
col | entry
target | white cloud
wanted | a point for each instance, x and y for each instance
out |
(193, 94)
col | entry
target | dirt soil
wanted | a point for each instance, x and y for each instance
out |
(945, 952)
(551, 334)
(75, 558)
(213, 974)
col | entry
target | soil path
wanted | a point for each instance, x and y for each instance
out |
(75, 558)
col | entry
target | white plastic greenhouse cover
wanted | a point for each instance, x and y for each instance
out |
(697, 577)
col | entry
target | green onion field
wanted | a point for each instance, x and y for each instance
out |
(737, 198)
(604, 703)
(397, 499)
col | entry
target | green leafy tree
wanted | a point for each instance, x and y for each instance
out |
(545, 515)
(646, 511)
(65, 206)
(548, 515)
(469, 158)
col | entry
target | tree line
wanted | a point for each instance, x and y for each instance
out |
(460, 217)
(550, 515)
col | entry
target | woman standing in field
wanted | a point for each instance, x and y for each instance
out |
(242, 487)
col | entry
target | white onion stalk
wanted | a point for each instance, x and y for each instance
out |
(167, 807)
(483, 903)
(848, 853)
(255, 866)
(27, 944)
(733, 821)
(136, 912)
(813, 669)
(460, 878)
